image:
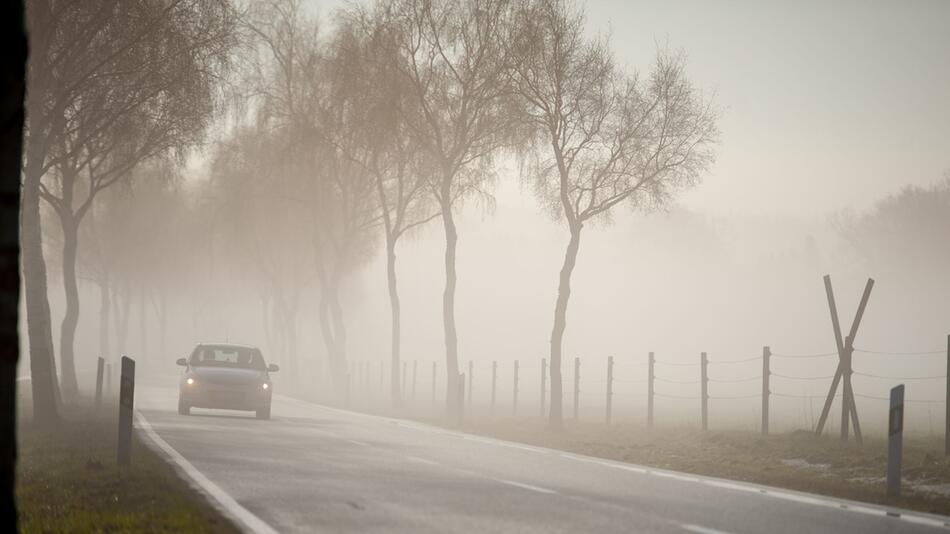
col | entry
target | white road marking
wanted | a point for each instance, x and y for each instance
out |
(354, 442)
(225, 502)
(502, 443)
(702, 530)
(674, 476)
(815, 500)
(421, 460)
(526, 486)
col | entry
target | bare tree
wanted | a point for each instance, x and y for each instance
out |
(382, 145)
(454, 57)
(267, 227)
(300, 92)
(13, 81)
(610, 138)
(114, 84)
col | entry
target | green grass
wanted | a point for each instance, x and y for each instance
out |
(68, 481)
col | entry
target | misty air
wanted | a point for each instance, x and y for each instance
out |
(475, 266)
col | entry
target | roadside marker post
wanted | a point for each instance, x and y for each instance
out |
(577, 387)
(126, 401)
(100, 368)
(895, 441)
(766, 373)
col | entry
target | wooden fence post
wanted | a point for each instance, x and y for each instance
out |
(494, 382)
(544, 383)
(126, 406)
(109, 379)
(402, 380)
(515, 403)
(651, 376)
(346, 392)
(766, 373)
(704, 394)
(610, 387)
(100, 367)
(461, 398)
(577, 388)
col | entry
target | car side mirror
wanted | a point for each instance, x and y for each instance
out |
(273, 368)
(181, 361)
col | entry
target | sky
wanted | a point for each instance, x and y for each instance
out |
(826, 105)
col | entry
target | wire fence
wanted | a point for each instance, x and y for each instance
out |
(644, 385)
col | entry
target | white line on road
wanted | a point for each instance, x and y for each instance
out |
(526, 486)
(354, 442)
(702, 530)
(421, 460)
(804, 498)
(225, 502)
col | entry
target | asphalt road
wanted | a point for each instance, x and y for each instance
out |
(317, 469)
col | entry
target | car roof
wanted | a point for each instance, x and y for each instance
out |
(228, 345)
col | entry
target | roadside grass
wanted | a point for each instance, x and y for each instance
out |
(68, 481)
(794, 460)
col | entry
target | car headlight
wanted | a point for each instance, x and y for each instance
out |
(190, 381)
(265, 385)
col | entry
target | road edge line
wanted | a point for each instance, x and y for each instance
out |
(854, 506)
(218, 498)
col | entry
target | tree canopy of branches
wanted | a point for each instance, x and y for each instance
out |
(454, 57)
(302, 96)
(380, 143)
(603, 137)
(112, 84)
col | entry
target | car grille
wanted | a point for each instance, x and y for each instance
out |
(228, 397)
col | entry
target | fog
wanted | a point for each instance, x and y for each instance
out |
(818, 129)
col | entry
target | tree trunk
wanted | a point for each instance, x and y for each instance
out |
(448, 308)
(291, 328)
(395, 311)
(67, 335)
(39, 323)
(560, 324)
(105, 307)
(12, 80)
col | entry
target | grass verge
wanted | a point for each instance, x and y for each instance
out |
(68, 481)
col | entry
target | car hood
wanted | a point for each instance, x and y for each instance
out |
(224, 375)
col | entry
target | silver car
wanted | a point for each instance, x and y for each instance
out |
(233, 377)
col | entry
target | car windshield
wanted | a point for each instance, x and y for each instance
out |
(237, 357)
